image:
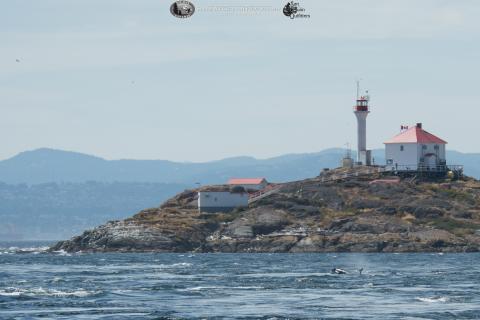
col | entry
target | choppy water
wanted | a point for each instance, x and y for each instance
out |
(37, 285)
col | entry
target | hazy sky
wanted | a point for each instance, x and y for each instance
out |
(126, 79)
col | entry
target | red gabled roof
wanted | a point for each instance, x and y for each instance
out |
(246, 180)
(416, 135)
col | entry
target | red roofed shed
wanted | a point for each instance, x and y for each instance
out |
(249, 183)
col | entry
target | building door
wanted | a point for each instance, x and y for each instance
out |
(431, 161)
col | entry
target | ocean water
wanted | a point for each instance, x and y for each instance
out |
(39, 285)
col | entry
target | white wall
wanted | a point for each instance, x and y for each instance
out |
(407, 157)
(411, 154)
(222, 200)
(431, 149)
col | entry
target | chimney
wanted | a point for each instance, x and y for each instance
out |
(419, 125)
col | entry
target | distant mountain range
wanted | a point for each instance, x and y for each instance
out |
(59, 210)
(48, 165)
(53, 194)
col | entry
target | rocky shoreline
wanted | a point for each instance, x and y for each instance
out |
(360, 214)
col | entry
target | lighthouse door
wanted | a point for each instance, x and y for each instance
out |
(431, 161)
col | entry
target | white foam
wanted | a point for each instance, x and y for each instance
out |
(32, 292)
(433, 300)
(34, 250)
(182, 264)
(286, 274)
(62, 253)
(175, 265)
(78, 293)
(221, 288)
(10, 294)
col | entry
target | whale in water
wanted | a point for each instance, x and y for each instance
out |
(339, 271)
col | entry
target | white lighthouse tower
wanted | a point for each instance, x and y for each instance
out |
(361, 111)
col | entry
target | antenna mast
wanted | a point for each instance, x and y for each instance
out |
(358, 89)
(348, 153)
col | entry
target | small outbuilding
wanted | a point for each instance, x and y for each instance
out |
(213, 201)
(415, 149)
(249, 183)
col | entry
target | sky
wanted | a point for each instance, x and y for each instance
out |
(125, 79)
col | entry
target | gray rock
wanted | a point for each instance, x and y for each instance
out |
(428, 212)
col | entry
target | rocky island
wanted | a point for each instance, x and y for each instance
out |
(363, 213)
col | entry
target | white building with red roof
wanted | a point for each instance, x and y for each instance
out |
(415, 149)
(249, 183)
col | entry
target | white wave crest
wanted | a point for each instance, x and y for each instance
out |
(20, 250)
(62, 253)
(182, 264)
(221, 288)
(35, 292)
(433, 300)
(174, 265)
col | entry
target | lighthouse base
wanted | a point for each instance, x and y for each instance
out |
(365, 157)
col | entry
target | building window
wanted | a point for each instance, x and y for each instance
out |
(424, 147)
(437, 147)
(402, 148)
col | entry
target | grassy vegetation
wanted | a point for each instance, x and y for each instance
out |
(459, 195)
(333, 214)
(223, 217)
(454, 226)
